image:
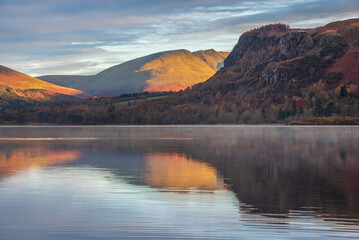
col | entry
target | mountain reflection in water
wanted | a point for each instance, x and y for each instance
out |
(20, 158)
(180, 173)
(280, 175)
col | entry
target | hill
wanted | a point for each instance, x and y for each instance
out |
(164, 71)
(16, 86)
(213, 58)
(274, 74)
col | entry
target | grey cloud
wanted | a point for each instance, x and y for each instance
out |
(44, 37)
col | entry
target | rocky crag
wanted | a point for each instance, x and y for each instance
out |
(278, 58)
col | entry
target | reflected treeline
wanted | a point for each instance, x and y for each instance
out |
(271, 169)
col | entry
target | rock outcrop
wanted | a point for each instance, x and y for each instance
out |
(294, 44)
(278, 58)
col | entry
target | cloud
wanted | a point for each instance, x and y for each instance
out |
(84, 36)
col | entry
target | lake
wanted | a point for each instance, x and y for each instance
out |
(179, 182)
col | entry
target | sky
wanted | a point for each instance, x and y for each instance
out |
(42, 37)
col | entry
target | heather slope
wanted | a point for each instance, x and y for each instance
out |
(165, 71)
(277, 58)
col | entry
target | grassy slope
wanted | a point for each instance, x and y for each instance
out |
(176, 71)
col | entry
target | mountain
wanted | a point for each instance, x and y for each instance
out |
(16, 86)
(274, 74)
(165, 71)
(278, 58)
(213, 58)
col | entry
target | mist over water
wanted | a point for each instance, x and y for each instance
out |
(179, 182)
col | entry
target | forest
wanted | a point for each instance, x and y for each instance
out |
(315, 102)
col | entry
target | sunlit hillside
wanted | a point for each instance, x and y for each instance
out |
(177, 70)
(14, 84)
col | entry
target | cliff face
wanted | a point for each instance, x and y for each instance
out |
(256, 47)
(277, 58)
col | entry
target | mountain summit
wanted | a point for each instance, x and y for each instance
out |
(276, 58)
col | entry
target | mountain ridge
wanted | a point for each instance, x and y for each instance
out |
(164, 71)
(277, 54)
(274, 74)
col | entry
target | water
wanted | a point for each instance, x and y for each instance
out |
(186, 182)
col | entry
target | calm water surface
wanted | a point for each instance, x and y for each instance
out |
(184, 182)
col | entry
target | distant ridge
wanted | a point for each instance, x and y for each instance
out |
(165, 71)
